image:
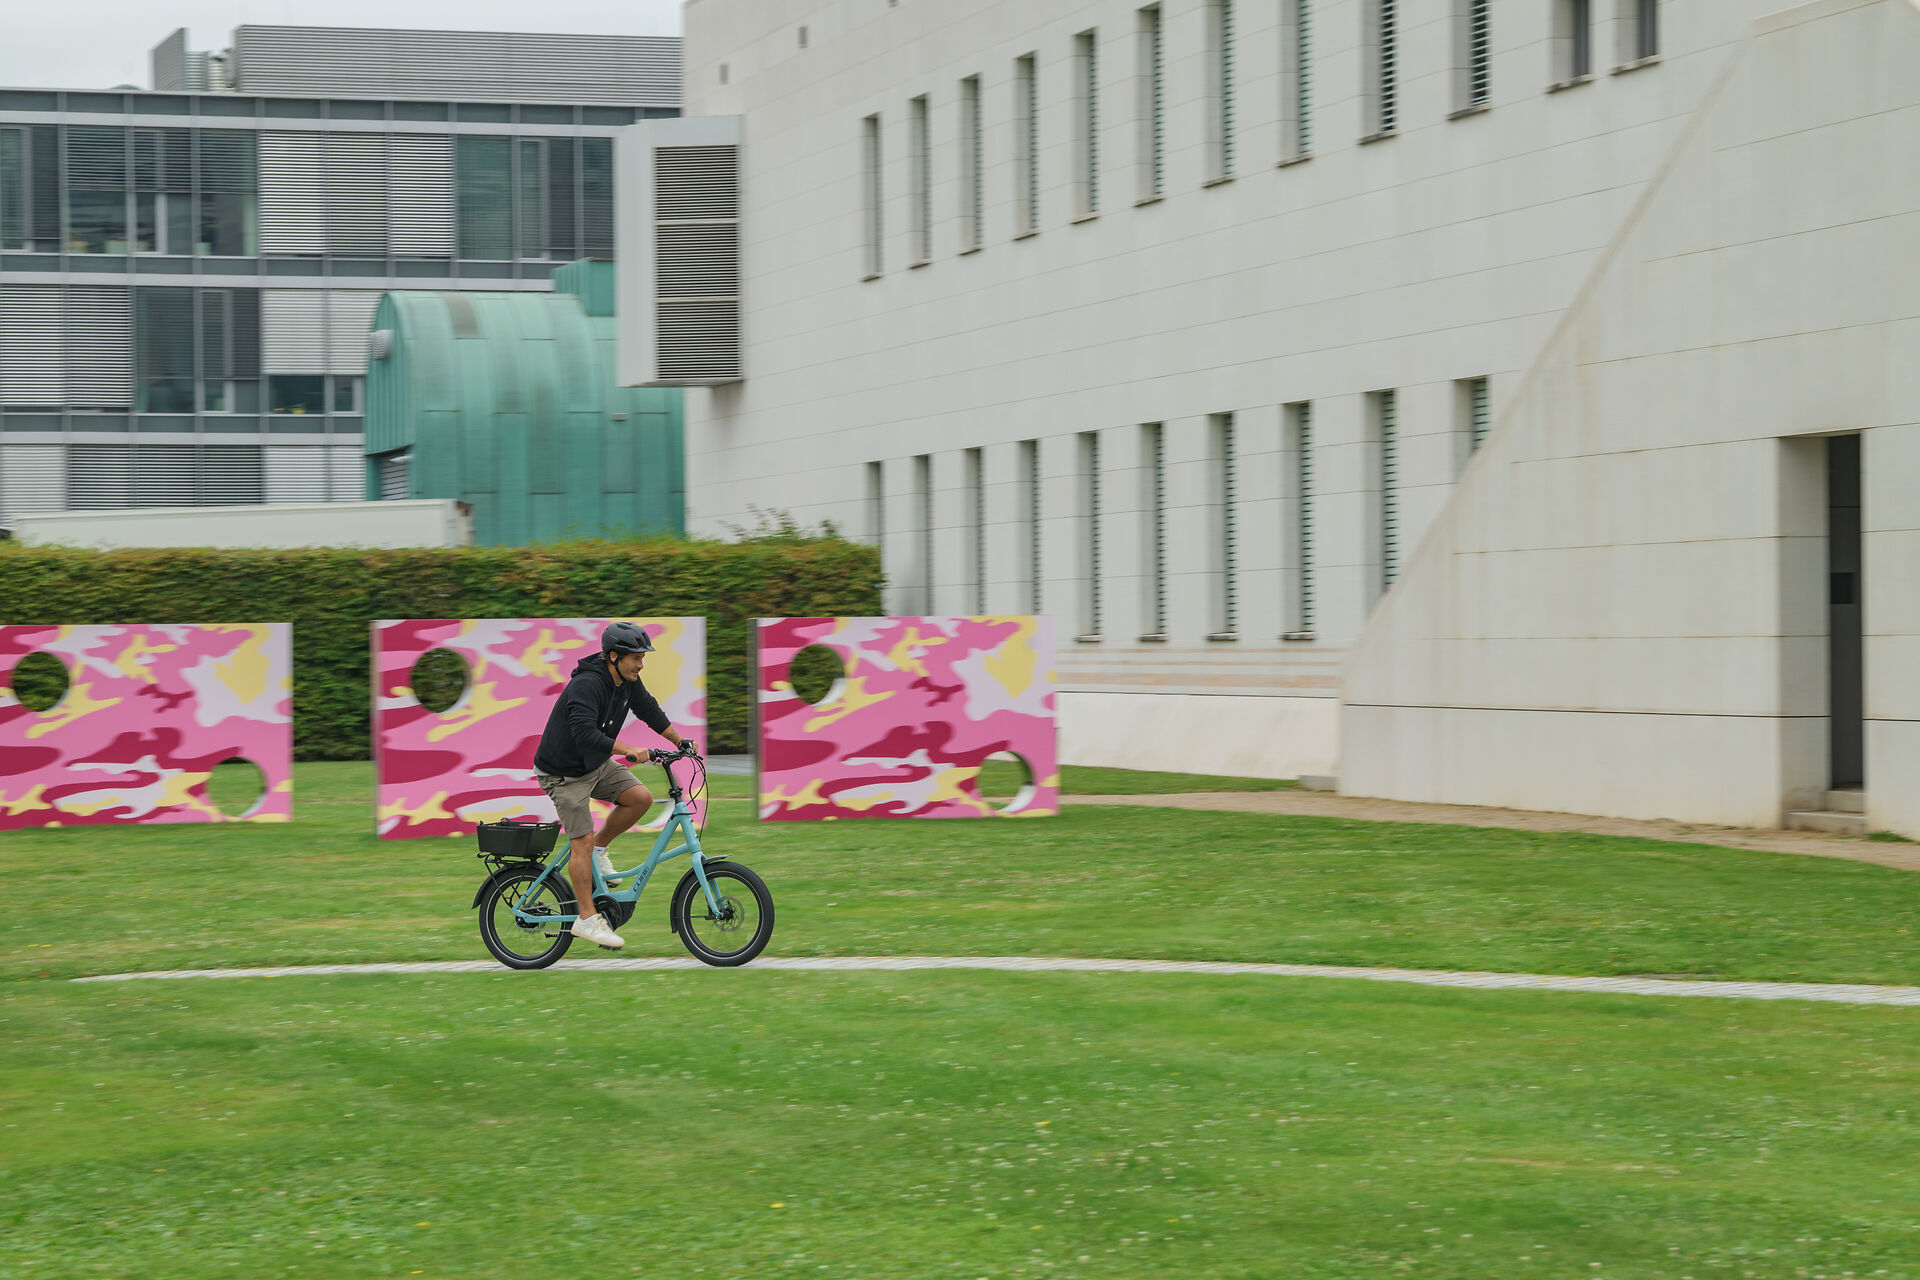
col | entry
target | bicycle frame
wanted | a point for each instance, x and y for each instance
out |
(681, 820)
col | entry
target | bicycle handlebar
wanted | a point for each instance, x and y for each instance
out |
(657, 756)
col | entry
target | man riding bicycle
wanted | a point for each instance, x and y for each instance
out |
(579, 759)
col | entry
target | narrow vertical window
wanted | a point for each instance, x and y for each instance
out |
(1026, 121)
(1030, 519)
(1220, 88)
(876, 503)
(920, 208)
(1472, 401)
(1299, 452)
(1086, 124)
(1152, 82)
(1386, 437)
(1572, 39)
(1226, 530)
(1090, 534)
(1381, 70)
(1639, 30)
(923, 518)
(1296, 81)
(1153, 507)
(1472, 54)
(977, 528)
(870, 192)
(971, 194)
(13, 188)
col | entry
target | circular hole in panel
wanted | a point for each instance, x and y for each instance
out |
(815, 673)
(40, 681)
(1005, 779)
(439, 679)
(236, 787)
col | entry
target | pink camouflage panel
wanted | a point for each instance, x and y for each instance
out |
(923, 704)
(149, 711)
(442, 773)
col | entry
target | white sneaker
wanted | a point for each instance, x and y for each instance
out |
(594, 929)
(604, 865)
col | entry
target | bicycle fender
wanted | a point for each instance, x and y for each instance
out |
(512, 868)
(689, 883)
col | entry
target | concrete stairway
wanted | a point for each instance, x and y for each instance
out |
(1845, 815)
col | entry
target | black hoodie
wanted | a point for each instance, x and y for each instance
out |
(591, 710)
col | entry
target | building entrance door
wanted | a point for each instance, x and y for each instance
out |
(1845, 663)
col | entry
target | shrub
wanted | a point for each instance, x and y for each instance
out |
(331, 595)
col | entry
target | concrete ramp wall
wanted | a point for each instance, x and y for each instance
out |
(1622, 610)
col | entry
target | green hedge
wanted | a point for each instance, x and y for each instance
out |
(331, 595)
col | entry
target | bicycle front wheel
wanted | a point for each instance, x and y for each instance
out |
(736, 933)
(517, 943)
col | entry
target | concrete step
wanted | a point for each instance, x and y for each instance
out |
(1852, 800)
(1839, 824)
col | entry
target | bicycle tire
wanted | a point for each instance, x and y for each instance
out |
(563, 899)
(687, 898)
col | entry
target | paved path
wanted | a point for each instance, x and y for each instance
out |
(1832, 993)
(1325, 804)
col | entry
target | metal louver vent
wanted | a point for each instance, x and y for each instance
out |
(357, 195)
(295, 473)
(99, 477)
(99, 333)
(1479, 52)
(393, 477)
(293, 331)
(1092, 463)
(1156, 529)
(33, 477)
(349, 326)
(1229, 530)
(230, 475)
(1156, 103)
(1478, 410)
(1303, 497)
(31, 374)
(1030, 464)
(293, 217)
(1389, 489)
(1389, 96)
(697, 263)
(163, 476)
(1226, 86)
(977, 513)
(96, 157)
(698, 260)
(346, 474)
(1303, 76)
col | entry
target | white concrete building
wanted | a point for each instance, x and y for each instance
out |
(1183, 322)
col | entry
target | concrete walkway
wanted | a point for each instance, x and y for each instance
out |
(1826, 993)
(1325, 804)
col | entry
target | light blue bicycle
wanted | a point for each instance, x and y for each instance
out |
(721, 910)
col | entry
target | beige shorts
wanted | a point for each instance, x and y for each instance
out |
(570, 795)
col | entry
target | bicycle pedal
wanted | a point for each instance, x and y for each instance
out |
(609, 948)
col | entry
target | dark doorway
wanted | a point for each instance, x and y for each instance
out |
(1845, 700)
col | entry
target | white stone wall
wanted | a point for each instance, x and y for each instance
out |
(1447, 251)
(1623, 608)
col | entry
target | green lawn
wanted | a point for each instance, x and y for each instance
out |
(957, 1126)
(1094, 881)
(882, 1126)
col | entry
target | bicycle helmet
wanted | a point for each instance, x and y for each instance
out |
(625, 637)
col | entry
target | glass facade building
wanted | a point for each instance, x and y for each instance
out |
(187, 280)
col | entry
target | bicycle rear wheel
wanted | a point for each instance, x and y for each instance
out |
(515, 943)
(741, 928)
